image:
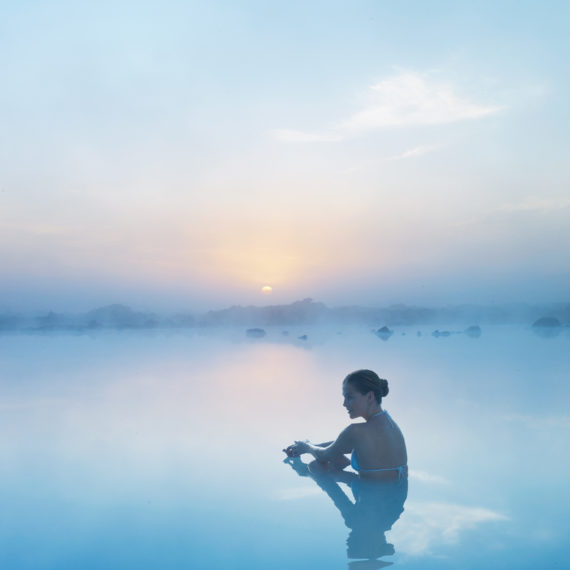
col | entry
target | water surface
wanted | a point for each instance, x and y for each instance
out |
(163, 450)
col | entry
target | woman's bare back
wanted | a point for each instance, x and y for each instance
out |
(379, 444)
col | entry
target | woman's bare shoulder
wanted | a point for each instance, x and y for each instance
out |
(351, 431)
(356, 428)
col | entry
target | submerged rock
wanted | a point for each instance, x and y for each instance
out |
(255, 333)
(473, 331)
(547, 322)
(547, 327)
(303, 337)
(438, 333)
(384, 333)
(547, 332)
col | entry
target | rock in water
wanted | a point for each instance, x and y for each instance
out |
(255, 333)
(473, 331)
(547, 322)
(437, 333)
(384, 333)
(547, 327)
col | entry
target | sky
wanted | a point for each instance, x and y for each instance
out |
(182, 155)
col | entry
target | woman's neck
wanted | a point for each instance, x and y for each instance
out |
(375, 413)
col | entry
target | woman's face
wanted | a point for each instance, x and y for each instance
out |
(356, 403)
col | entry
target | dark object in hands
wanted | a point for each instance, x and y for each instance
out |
(289, 451)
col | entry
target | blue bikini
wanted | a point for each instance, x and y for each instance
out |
(402, 469)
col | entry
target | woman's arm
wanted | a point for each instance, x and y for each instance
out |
(292, 451)
(327, 452)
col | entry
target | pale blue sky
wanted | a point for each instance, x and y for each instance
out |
(184, 154)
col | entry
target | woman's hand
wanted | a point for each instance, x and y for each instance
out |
(302, 447)
(298, 448)
(290, 451)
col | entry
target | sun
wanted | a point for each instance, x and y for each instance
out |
(267, 289)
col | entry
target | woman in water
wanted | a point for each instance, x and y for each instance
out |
(377, 445)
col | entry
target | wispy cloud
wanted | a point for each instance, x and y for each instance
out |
(413, 99)
(406, 99)
(536, 204)
(428, 524)
(413, 152)
(293, 136)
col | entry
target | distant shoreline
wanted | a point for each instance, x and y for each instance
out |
(300, 313)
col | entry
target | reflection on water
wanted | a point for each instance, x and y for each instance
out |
(135, 451)
(377, 505)
(548, 332)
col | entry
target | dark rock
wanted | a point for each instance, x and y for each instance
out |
(437, 333)
(303, 337)
(547, 327)
(255, 333)
(474, 331)
(547, 322)
(384, 333)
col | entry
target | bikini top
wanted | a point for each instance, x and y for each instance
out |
(402, 469)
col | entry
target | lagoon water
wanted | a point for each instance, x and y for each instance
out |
(162, 450)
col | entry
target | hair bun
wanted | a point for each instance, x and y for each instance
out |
(368, 381)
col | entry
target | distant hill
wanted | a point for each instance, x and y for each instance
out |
(304, 312)
(119, 316)
(297, 313)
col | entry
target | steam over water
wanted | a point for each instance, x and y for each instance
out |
(163, 450)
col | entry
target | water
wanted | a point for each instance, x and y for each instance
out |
(163, 450)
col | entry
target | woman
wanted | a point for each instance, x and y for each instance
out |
(377, 446)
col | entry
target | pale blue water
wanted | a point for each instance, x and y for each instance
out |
(163, 450)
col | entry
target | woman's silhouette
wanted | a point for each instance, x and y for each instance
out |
(377, 445)
(379, 459)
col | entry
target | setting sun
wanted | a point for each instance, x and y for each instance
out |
(267, 289)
